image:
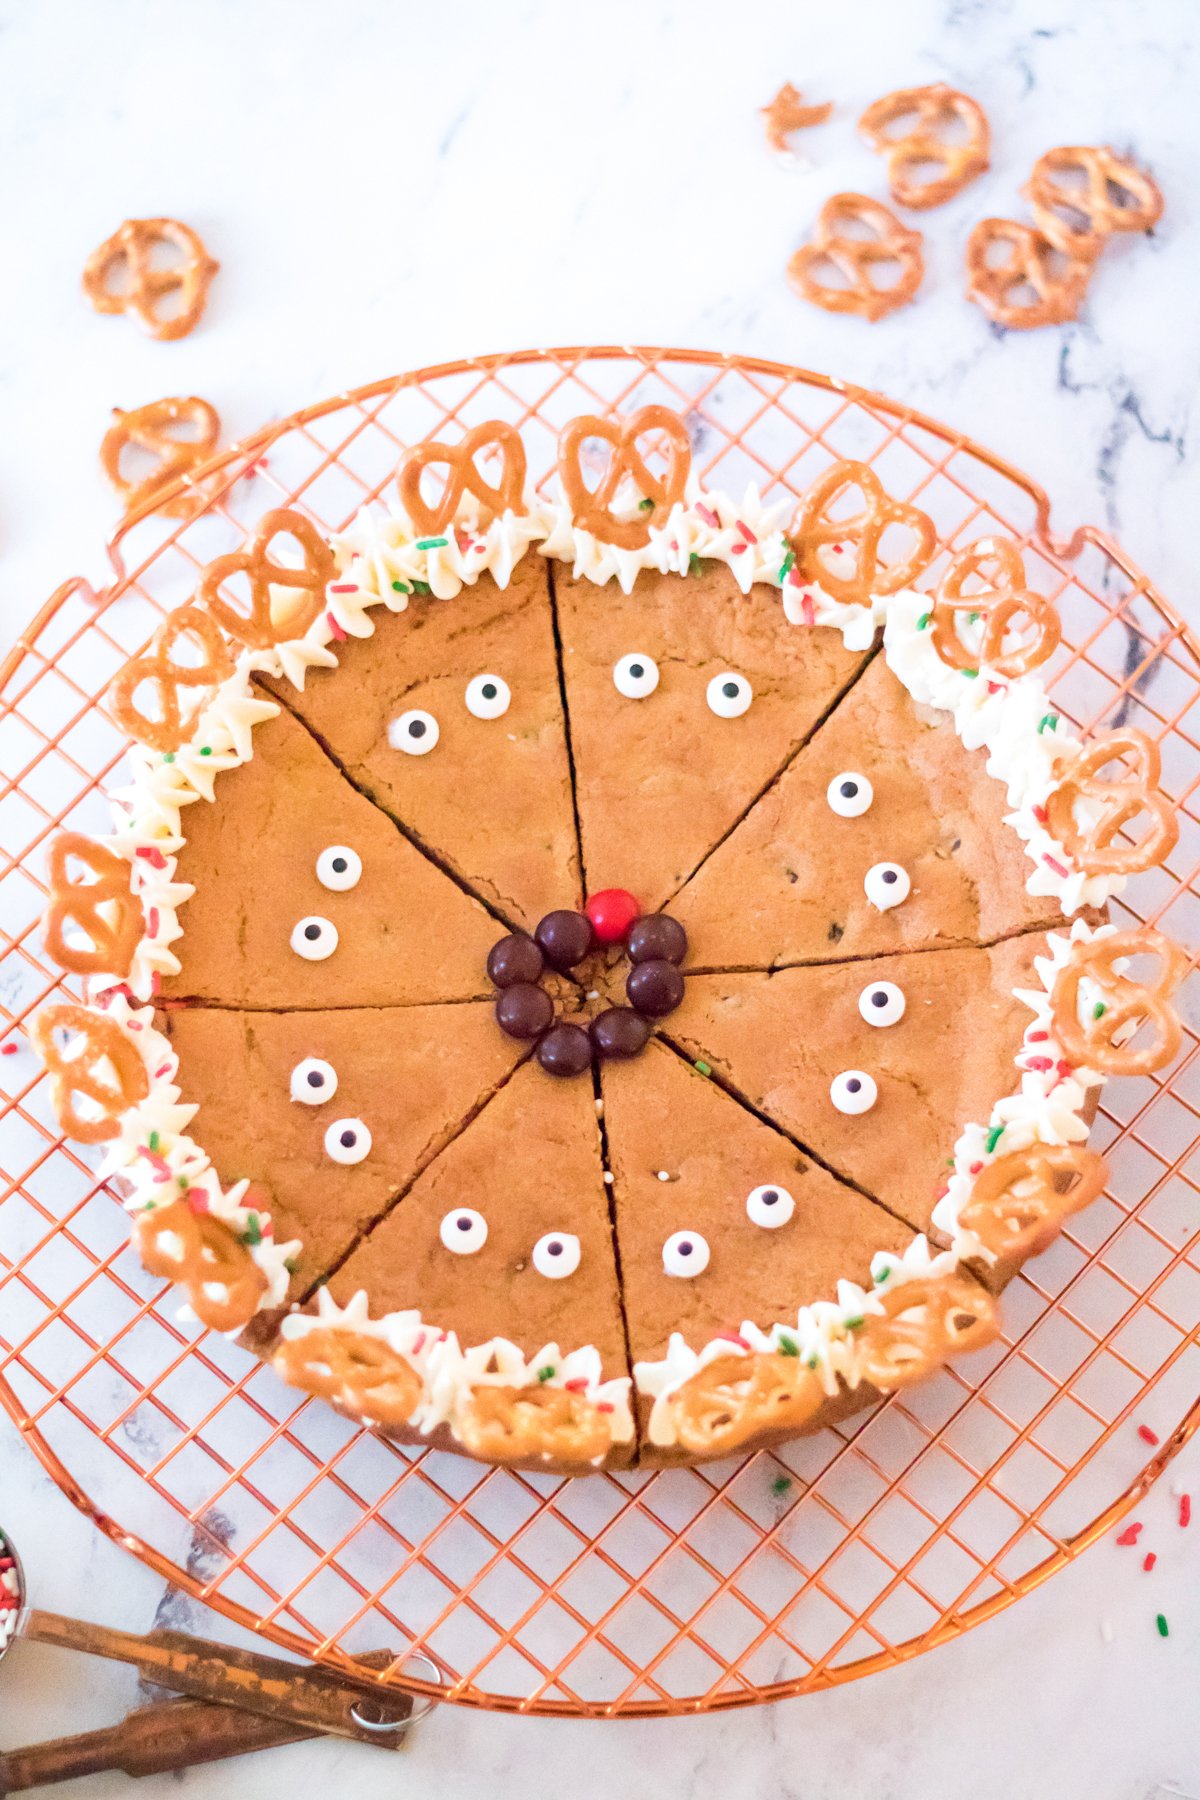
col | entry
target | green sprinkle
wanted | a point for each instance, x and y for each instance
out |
(879, 1275)
(856, 1323)
(432, 543)
(643, 506)
(421, 587)
(168, 756)
(1099, 1010)
(923, 621)
(546, 1373)
(253, 1232)
(206, 750)
(694, 562)
(401, 587)
(702, 1068)
(788, 1346)
(153, 1140)
(781, 1484)
(786, 564)
(971, 674)
(182, 1182)
(1047, 722)
(993, 1138)
(290, 1264)
(811, 1361)
(974, 618)
(1161, 1622)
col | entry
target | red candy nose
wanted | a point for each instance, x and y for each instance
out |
(612, 911)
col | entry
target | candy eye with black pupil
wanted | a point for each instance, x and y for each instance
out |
(339, 868)
(347, 1141)
(463, 1231)
(849, 795)
(881, 1003)
(853, 1091)
(886, 885)
(685, 1254)
(556, 1255)
(415, 732)
(488, 697)
(313, 1081)
(635, 676)
(729, 695)
(769, 1207)
(314, 938)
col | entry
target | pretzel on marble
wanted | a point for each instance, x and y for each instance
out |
(1079, 217)
(923, 1322)
(1115, 1007)
(591, 508)
(814, 532)
(106, 1069)
(260, 629)
(463, 475)
(788, 112)
(891, 243)
(105, 909)
(1019, 1203)
(146, 286)
(733, 1399)
(205, 1256)
(359, 1372)
(1032, 265)
(149, 428)
(1108, 806)
(932, 108)
(167, 677)
(530, 1424)
(1004, 603)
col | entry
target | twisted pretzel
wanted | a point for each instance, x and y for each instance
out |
(924, 1322)
(1019, 1202)
(1110, 805)
(363, 1374)
(813, 531)
(855, 257)
(1006, 606)
(463, 476)
(204, 1255)
(591, 508)
(735, 1398)
(1078, 218)
(172, 729)
(133, 244)
(106, 1070)
(524, 1424)
(258, 629)
(933, 108)
(105, 908)
(787, 113)
(1099, 1042)
(149, 428)
(1032, 266)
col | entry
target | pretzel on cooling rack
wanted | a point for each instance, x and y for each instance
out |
(104, 909)
(205, 1256)
(1095, 1024)
(133, 244)
(1108, 806)
(788, 112)
(260, 628)
(150, 428)
(933, 109)
(816, 538)
(1078, 217)
(923, 1322)
(1018, 1203)
(734, 1399)
(464, 475)
(1031, 266)
(100, 1065)
(1004, 603)
(854, 257)
(361, 1373)
(532, 1424)
(167, 677)
(592, 508)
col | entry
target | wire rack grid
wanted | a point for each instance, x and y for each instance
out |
(618, 1594)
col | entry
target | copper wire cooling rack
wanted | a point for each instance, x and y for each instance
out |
(617, 1594)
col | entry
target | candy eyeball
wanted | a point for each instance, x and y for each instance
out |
(313, 1081)
(347, 1141)
(886, 885)
(729, 695)
(314, 938)
(556, 1255)
(415, 732)
(464, 1231)
(685, 1253)
(635, 676)
(339, 868)
(849, 795)
(853, 1091)
(488, 697)
(881, 1003)
(769, 1207)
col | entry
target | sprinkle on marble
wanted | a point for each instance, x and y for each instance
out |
(1147, 1435)
(1160, 1621)
(1185, 1510)
(1148, 1561)
(1129, 1536)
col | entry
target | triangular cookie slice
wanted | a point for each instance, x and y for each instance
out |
(663, 770)
(307, 895)
(815, 872)
(486, 791)
(935, 1033)
(332, 1114)
(690, 1163)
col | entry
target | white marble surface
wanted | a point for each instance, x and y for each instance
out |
(389, 185)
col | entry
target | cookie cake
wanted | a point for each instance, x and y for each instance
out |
(614, 977)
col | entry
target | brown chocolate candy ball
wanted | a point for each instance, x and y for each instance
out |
(655, 988)
(514, 958)
(564, 939)
(619, 1032)
(657, 938)
(524, 1011)
(566, 1050)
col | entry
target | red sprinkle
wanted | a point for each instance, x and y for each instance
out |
(9, 1049)
(1040, 1064)
(1185, 1510)
(605, 1406)
(159, 1164)
(154, 857)
(152, 922)
(995, 687)
(336, 629)
(1065, 1070)
(1039, 813)
(710, 518)
(1149, 1561)
(732, 1337)
(1129, 1535)
(1052, 863)
(576, 1385)
(975, 1168)
(745, 531)
(1037, 1037)
(808, 611)
(343, 587)
(197, 1199)
(1147, 1436)
(160, 1072)
(418, 1343)
(736, 549)
(155, 983)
